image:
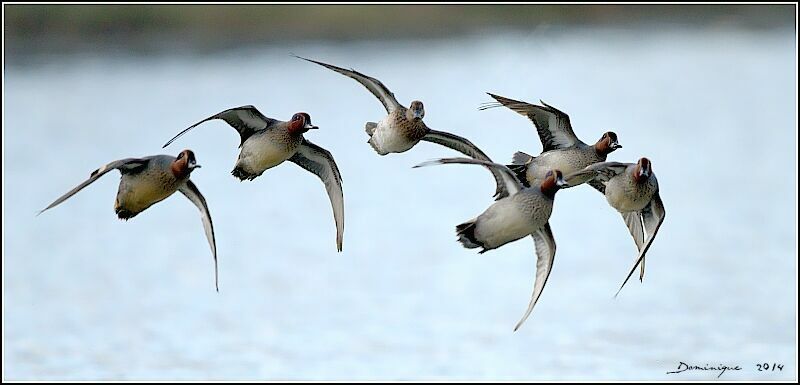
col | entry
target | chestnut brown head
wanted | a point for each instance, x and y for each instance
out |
(553, 181)
(301, 123)
(607, 143)
(184, 164)
(643, 170)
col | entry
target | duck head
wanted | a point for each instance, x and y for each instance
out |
(184, 164)
(416, 111)
(643, 170)
(553, 181)
(301, 123)
(607, 143)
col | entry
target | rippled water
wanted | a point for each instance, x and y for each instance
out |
(86, 296)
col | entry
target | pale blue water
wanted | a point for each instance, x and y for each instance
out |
(86, 296)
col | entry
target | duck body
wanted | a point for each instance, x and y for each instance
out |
(625, 194)
(568, 160)
(561, 148)
(402, 128)
(267, 142)
(631, 189)
(395, 133)
(266, 149)
(518, 212)
(507, 220)
(140, 189)
(149, 180)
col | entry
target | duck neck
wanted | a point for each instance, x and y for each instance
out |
(637, 175)
(297, 128)
(180, 169)
(603, 148)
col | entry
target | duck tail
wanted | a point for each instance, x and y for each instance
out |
(375, 147)
(370, 128)
(466, 235)
(521, 158)
(521, 171)
(124, 214)
(243, 175)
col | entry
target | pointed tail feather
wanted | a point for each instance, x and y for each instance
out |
(521, 158)
(521, 171)
(641, 273)
(370, 128)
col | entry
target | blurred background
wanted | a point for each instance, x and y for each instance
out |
(707, 92)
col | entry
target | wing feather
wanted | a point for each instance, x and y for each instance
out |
(247, 120)
(652, 218)
(319, 161)
(511, 185)
(126, 166)
(189, 189)
(545, 254)
(465, 147)
(373, 85)
(552, 125)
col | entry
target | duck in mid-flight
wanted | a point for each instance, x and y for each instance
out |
(520, 211)
(561, 148)
(403, 127)
(631, 189)
(149, 180)
(267, 142)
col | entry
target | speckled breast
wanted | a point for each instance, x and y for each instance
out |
(625, 195)
(397, 134)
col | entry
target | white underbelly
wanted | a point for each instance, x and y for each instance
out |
(622, 197)
(138, 194)
(258, 155)
(501, 223)
(386, 138)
